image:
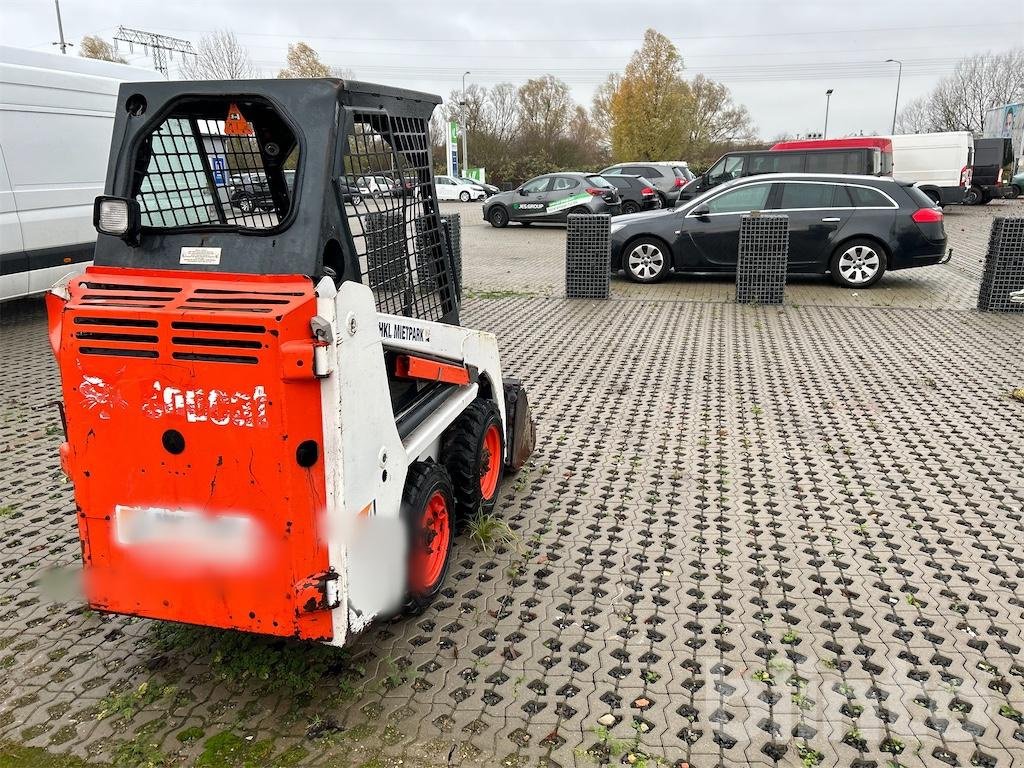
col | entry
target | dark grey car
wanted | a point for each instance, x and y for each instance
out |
(551, 198)
(668, 178)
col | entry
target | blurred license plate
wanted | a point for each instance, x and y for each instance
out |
(190, 535)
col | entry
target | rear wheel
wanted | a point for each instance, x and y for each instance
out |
(246, 204)
(473, 451)
(427, 505)
(464, 197)
(498, 216)
(646, 260)
(858, 264)
(629, 206)
(973, 196)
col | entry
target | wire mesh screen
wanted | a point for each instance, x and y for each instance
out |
(1004, 266)
(204, 171)
(388, 196)
(763, 260)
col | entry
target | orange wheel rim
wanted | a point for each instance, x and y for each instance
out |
(430, 547)
(490, 462)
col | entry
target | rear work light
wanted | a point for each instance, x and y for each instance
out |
(117, 216)
(595, 191)
(927, 216)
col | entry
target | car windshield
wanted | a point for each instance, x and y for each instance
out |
(599, 182)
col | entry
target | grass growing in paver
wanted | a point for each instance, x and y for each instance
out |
(254, 660)
(129, 703)
(490, 532)
(17, 756)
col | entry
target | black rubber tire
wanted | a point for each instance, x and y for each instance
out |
(662, 247)
(837, 277)
(580, 209)
(464, 196)
(972, 196)
(463, 455)
(245, 204)
(423, 480)
(629, 207)
(498, 216)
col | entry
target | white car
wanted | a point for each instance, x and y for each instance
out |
(378, 186)
(450, 188)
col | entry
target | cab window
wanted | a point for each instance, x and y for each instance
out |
(726, 169)
(802, 196)
(537, 185)
(775, 162)
(749, 198)
(826, 162)
(563, 182)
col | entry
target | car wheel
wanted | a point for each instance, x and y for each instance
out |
(580, 210)
(464, 197)
(858, 264)
(646, 260)
(1015, 192)
(246, 205)
(630, 207)
(498, 216)
(972, 196)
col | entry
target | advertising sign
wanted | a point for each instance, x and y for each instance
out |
(453, 148)
(1007, 122)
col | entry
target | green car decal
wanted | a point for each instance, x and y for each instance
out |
(555, 207)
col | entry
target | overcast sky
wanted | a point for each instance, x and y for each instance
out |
(778, 58)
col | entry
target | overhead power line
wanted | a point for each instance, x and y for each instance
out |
(162, 47)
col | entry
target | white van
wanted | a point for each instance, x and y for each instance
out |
(939, 164)
(56, 117)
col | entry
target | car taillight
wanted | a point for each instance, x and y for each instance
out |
(646, 191)
(595, 191)
(679, 183)
(927, 216)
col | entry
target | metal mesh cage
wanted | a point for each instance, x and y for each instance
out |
(762, 260)
(204, 171)
(1004, 266)
(395, 228)
(588, 256)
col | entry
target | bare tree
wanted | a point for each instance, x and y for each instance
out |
(959, 101)
(713, 117)
(503, 110)
(219, 56)
(93, 47)
(601, 107)
(545, 107)
(303, 61)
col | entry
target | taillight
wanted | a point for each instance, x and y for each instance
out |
(965, 176)
(646, 191)
(679, 183)
(595, 191)
(927, 216)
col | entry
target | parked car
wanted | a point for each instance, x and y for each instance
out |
(1017, 185)
(668, 178)
(490, 189)
(249, 192)
(637, 193)
(853, 227)
(993, 164)
(552, 197)
(378, 185)
(454, 188)
(881, 143)
(735, 165)
(56, 118)
(939, 164)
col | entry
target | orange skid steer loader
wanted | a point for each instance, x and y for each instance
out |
(274, 421)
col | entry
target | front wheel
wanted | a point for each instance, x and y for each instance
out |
(464, 197)
(427, 506)
(858, 264)
(498, 217)
(646, 260)
(473, 451)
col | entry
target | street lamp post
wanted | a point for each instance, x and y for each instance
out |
(465, 128)
(899, 78)
(828, 98)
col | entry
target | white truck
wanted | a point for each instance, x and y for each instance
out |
(939, 164)
(56, 118)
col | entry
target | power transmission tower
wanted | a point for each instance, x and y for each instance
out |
(161, 47)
